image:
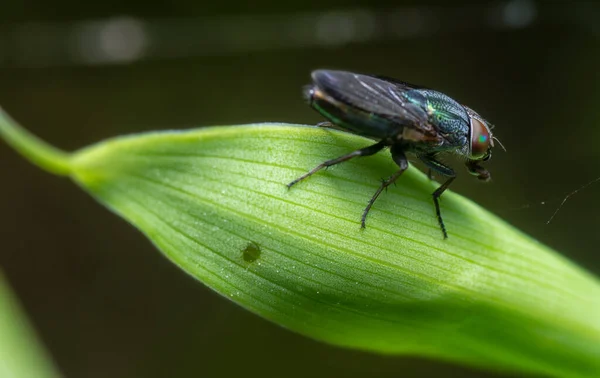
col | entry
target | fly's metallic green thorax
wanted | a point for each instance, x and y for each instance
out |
(448, 115)
(403, 117)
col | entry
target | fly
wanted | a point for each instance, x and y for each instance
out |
(404, 117)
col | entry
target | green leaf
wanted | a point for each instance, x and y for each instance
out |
(21, 355)
(214, 201)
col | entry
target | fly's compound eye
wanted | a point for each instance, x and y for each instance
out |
(480, 140)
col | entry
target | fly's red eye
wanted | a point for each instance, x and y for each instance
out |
(480, 139)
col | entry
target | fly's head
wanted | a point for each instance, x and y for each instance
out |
(480, 145)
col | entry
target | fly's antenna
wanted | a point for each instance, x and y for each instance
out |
(500, 143)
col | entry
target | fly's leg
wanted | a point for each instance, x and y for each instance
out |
(436, 196)
(477, 170)
(330, 125)
(432, 163)
(400, 159)
(367, 151)
(430, 174)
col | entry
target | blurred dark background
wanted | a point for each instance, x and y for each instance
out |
(107, 304)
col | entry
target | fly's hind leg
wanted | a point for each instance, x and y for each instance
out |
(367, 151)
(400, 159)
(430, 174)
(330, 125)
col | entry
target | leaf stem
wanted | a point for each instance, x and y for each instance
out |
(36, 150)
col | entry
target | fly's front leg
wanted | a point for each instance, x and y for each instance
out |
(434, 164)
(367, 151)
(477, 170)
(400, 159)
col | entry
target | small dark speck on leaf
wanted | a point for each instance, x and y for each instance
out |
(252, 252)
